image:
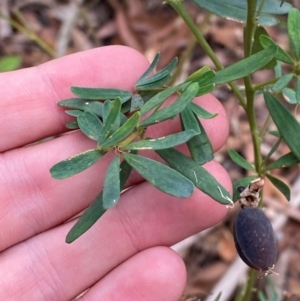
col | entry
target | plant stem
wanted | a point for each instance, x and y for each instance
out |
(180, 9)
(249, 31)
(265, 127)
(250, 284)
(265, 84)
(248, 41)
(30, 34)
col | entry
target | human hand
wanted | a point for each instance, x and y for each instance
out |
(125, 255)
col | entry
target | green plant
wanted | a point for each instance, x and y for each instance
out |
(117, 120)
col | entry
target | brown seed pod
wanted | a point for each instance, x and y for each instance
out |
(255, 240)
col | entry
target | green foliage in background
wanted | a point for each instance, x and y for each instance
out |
(10, 62)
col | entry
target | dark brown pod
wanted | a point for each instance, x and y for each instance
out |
(255, 240)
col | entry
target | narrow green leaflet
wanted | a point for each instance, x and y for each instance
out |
(72, 125)
(74, 113)
(168, 112)
(278, 69)
(293, 31)
(281, 186)
(237, 10)
(136, 102)
(198, 74)
(161, 176)
(150, 69)
(123, 131)
(244, 182)
(110, 120)
(246, 66)
(205, 89)
(239, 160)
(282, 82)
(281, 55)
(106, 109)
(88, 219)
(289, 95)
(75, 164)
(111, 186)
(286, 123)
(272, 150)
(158, 99)
(256, 46)
(285, 161)
(205, 78)
(96, 209)
(189, 121)
(275, 133)
(99, 93)
(196, 173)
(84, 105)
(159, 75)
(199, 146)
(163, 142)
(154, 84)
(90, 125)
(200, 112)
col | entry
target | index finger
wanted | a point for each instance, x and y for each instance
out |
(28, 106)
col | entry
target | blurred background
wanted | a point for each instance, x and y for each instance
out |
(35, 31)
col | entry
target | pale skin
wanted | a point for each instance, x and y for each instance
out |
(126, 255)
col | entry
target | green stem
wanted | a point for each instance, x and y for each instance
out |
(249, 31)
(265, 84)
(250, 284)
(180, 9)
(265, 127)
(30, 34)
(248, 41)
